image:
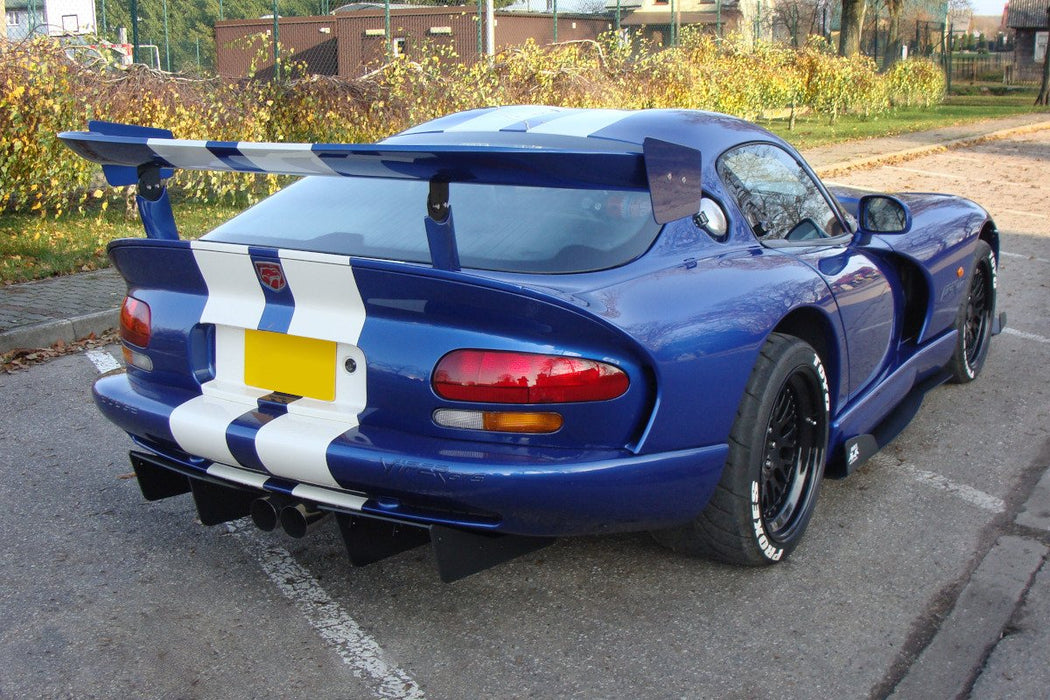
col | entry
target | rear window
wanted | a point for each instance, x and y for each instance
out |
(498, 227)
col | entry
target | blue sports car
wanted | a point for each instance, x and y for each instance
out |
(518, 323)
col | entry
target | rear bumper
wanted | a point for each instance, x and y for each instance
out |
(506, 489)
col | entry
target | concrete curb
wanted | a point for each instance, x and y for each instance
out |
(948, 666)
(834, 169)
(47, 333)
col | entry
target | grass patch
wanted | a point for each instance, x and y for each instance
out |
(956, 109)
(34, 247)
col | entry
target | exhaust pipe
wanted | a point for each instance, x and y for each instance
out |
(296, 519)
(265, 512)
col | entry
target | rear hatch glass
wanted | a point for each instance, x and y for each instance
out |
(498, 227)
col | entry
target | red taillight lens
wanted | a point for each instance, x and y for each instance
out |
(134, 322)
(492, 376)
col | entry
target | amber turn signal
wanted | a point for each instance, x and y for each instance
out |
(500, 421)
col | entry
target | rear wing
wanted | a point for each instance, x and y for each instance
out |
(146, 156)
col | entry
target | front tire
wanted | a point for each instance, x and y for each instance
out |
(768, 489)
(974, 320)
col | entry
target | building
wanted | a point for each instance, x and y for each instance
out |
(352, 40)
(659, 20)
(26, 18)
(1028, 20)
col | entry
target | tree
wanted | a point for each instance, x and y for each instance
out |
(893, 32)
(1044, 89)
(851, 25)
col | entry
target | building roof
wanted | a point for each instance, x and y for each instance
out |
(663, 18)
(1027, 14)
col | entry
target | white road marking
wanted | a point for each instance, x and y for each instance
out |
(930, 173)
(359, 651)
(364, 656)
(1025, 335)
(1024, 257)
(950, 176)
(1018, 212)
(828, 183)
(103, 361)
(969, 494)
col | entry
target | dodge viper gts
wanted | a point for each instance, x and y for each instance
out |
(518, 323)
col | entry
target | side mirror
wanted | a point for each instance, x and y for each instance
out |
(881, 213)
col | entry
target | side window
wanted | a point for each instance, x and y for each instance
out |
(777, 197)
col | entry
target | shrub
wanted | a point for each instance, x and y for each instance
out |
(44, 92)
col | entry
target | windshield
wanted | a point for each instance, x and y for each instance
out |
(498, 227)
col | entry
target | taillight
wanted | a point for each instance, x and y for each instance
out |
(494, 376)
(135, 322)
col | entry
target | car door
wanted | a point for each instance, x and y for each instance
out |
(789, 212)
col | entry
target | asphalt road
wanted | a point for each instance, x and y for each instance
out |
(103, 594)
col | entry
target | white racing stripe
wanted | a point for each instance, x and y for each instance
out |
(582, 123)
(199, 426)
(969, 494)
(287, 158)
(103, 361)
(338, 630)
(362, 654)
(296, 447)
(502, 118)
(188, 154)
(234, 295)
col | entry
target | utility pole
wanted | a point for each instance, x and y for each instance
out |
(134, 30)
(490, 30)
(276, 39)
(386, 30)
(672, 38)
(1044, 89)
(167, 46)
(3, 18)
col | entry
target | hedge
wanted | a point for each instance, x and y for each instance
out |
(44, 92)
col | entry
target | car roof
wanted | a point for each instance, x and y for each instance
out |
(542, 126)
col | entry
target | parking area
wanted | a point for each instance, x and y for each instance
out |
(102, 593)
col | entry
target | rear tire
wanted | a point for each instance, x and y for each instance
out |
(974, 320)
(777, 447)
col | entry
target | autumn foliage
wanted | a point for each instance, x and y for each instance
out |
(43, 92)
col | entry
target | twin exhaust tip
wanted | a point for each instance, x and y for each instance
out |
(295, 518)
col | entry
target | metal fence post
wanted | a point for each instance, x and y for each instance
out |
(276, 39)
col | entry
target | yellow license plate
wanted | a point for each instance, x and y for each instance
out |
(290, 364)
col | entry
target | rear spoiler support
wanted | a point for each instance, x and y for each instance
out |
(441, 233)
(155, 205)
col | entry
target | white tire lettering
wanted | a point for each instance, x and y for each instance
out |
(768, 550)
(818, 365)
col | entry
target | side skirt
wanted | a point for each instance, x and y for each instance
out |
(859, 449)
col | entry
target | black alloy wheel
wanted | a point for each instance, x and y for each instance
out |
(777, 446)
(791, 458)
(974, 320)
